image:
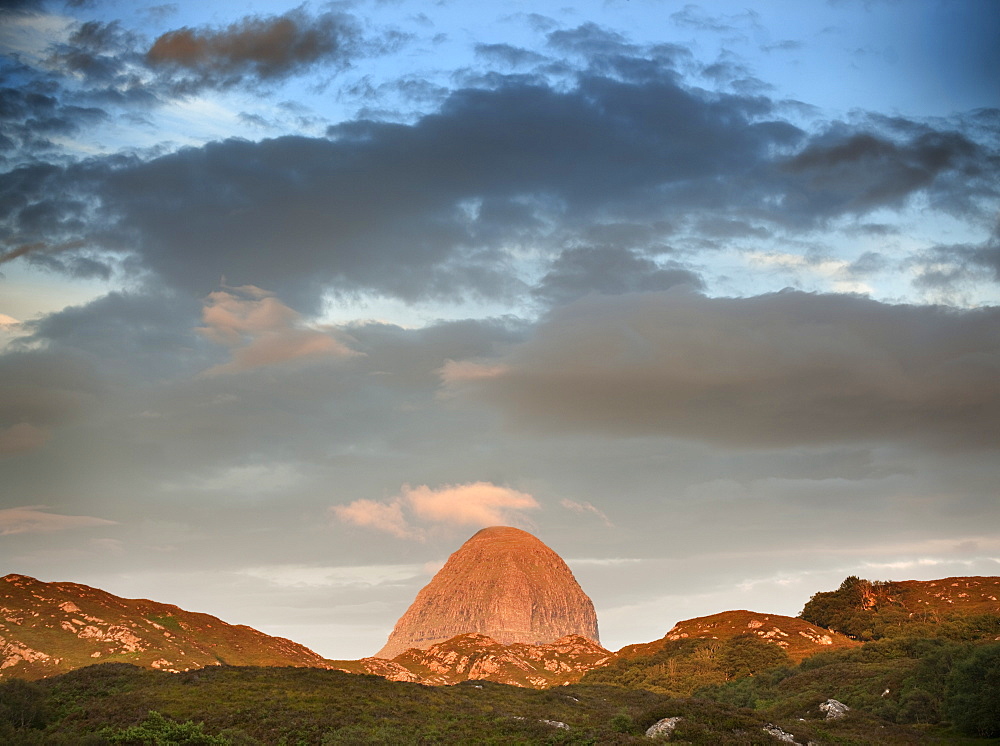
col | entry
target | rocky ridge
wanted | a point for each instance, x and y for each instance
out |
(51, 628)
(502, 583)
(798, 638)
(474, 656)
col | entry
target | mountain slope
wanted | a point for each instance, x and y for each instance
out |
(51, 628)
(477, 657)
(503, 583)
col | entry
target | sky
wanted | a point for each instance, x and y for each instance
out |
(294, 298)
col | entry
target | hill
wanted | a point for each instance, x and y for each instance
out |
(51, 628)
(959, 608)
(478, 657)
(797, 638)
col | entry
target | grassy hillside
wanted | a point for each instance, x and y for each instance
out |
(51, 628)
(799, 639)
(958, 608)
(112, 704)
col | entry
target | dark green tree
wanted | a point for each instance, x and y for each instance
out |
(972, 699)
(22, 704)
(747, 654)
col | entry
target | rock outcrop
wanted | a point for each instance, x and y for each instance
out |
(51, 628)
(503, 583)
(474, 656)
(798, 638)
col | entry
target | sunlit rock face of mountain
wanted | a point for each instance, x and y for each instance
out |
(798, 638)
(51, 628)
(502, 583)
(474, 656)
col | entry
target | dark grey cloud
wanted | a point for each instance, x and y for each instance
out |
(429, 209)
(99, 52)
(845, 172)
(508, 55)
(42, 389)
(20, 6)
(79, 267)
(608, 270)
(948, 267)
(779, 370)
(131, 337)
(29, 119)
(257, 48)
(412, 211)
(868, 263)
(592, 41)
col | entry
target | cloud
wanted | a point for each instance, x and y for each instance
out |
(42, 389)
(947, 268)
(608, 270)
(586, 508)
(262, 331)
(421, 211)
(264, 48)
(845, 172)
(783, 369)
(32, 519)
(386, 517)
(439, 209)
(30, 120)
(22, 437)
(474, 504)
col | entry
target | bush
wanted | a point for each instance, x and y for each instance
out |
(973, 693)
(157, 730)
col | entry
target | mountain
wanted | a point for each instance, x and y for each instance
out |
(51, 628)
(473, 656)
(502, 583)
(796, 637)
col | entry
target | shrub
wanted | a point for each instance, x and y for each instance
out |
(973, 693)
(157, 730)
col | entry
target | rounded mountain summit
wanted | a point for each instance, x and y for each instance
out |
(504, 583)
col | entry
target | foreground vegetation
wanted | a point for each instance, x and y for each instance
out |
(901, 691)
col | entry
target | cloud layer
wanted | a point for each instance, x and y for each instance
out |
(774, 370)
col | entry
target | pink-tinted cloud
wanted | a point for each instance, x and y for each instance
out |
(22, 437)
(386, 517)
(415, 509)
(262, 331)
(32, 519)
